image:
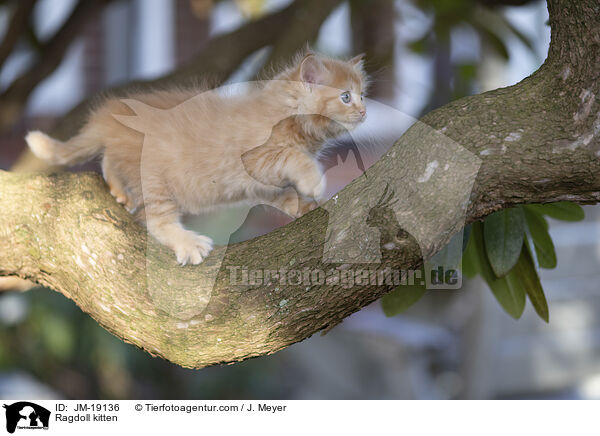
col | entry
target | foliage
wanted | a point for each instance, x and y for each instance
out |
(510, 246)
(403, 297)
(456, 78)
(507, 249)
(519, 276)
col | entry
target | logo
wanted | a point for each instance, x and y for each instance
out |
(26, 415)
(369, 227)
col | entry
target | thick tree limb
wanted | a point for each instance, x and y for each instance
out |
(538, 141)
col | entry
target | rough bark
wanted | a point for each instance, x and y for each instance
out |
(538, 141)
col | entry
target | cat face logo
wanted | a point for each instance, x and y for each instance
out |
(26, 415)
(438, 176)
(363, 226)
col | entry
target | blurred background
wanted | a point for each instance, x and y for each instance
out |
(421, 54)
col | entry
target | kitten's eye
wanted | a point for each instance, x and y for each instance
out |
(361, 96)
(345, 96)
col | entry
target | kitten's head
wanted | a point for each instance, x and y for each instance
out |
(333, 88)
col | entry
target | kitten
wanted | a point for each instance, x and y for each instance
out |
(202, 148)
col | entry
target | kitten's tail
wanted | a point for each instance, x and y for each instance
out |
(76, 150)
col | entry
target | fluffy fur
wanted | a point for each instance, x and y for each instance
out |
(201, 148)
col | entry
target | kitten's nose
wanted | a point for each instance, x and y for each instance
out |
(362, 112)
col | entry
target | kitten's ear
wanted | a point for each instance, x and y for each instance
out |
(307, 50)
(358, 61)
(143, 112)
(312, 70)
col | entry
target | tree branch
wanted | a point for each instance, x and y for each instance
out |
(17, 24)
(15, 96)
(12, 284)
(504, 2)
(217, 61)
(303, 28)
(538, 141)
(373, 33)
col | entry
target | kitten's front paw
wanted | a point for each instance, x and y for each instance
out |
(305, 207)
(193, 249)
(312, 186)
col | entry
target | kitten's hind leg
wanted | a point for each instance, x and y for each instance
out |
(163, 222)
(115, 185)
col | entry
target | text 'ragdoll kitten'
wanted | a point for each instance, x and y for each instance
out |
(201, 148)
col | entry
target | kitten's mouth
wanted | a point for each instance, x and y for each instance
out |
(353, 124)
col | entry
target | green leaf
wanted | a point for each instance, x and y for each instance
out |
(511, 298)
(503, 233)
(58, 336)
(542, 242)
(525, 276)
(563, 210)
(450, 256)
(467, 72)
(419, 46)
(470, 261)
(466, 237)
(402, 298)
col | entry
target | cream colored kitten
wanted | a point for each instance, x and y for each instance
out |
(201, 148)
